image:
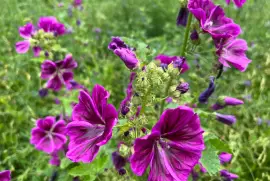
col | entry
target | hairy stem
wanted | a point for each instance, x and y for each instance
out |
(183, 53)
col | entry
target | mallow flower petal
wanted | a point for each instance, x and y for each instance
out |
(26, 30)
(55, 83)
(48, 68)
(22, 46)
(5, 175)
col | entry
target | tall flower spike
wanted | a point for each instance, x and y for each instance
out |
(238, 3)
(49, 134)
(92, 125)
(232, 52)
(58, 73)
(5, 175)
(182, 17)
(172, 149)
(204, 96)
(124, 53)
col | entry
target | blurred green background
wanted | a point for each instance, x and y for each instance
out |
(150, 21)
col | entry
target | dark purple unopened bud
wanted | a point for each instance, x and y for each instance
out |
(124, 110)
(126, 133)
(144, 130)
(76, 179)
(204, 96)
(179, 62)
(182, 17)
(118, 160)
(195, 175)
(225, 157)
(46, 54)
(139, 108)
(169, 99)
(43, 92)
(226, 119)
(122, 171)
(78, 22)
(194, 35)
(57, 101)
(164, 66)
(183, 87)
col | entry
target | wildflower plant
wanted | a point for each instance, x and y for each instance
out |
(160, 130)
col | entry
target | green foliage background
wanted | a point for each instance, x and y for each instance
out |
(152, 22)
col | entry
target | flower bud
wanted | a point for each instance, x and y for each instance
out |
(194, 35)
(224, 101)
(225, 157)
(128, 57)
(118, 160)
(122, 171)
(183, 87)
(226, 119)
(43, 92)
(227, 175)
(204, 96)
(182, 17)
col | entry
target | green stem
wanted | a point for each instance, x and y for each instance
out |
(183, 53)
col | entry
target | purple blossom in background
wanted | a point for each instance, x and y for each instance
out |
(182, 17)
(204, 96)
(49, 134)
(125, 104)
(227, 175)
(225, 157)
(74, 85)
(26, 32)
(50, 24)
(5, 175)
(179, 62)
(226, 119)
(238, 3)
(172, 149)
(124, 53)
(118, 160)
(233, 52)
(93, 121)
(77, 3)
(58, 73)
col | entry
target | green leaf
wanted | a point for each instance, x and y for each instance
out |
(92, 168)
(65, 163)
(171, 106)
(220, 145)
(210, 160)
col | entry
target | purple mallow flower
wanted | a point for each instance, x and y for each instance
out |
(93, 121)
(172, 149)
(182, 17)
(204, 96)
(226, 119)
(59, 72)
(26, 32)
(125, 104)
(227, 175)
(238, 3)
(5, 175)
(225, 157)
(124, 53)
(49, 134)
(50, 24)
(213, 20)
(227, 101)
(178, 62)
(233, 52)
